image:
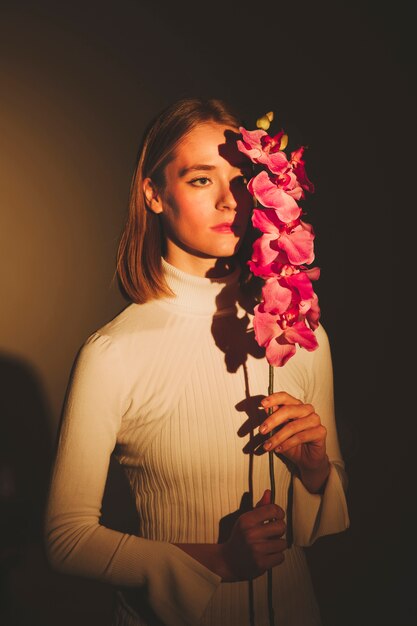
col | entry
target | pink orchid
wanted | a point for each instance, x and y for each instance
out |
(300, 283)
(294, 238)
(289, 312)
(251, 143)
(264, 150)
(277, 192)
(279, 333)
(292, 288)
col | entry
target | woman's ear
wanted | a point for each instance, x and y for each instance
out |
(152, 197)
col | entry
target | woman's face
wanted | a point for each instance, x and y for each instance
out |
(205, 205)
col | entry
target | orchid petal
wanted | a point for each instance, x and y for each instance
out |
(298, 244)
(277, 162)
(264, 271)
(301, 334)
(313, 273)
(266, 256)
(251, 144)
(252, 137)
(264, 250)
(313, 314)
(302, 284)
(297, 155)
(279, 352)
(270, 196)
(276, 298)
(252, 153)
(299, 169)
(265, 326)
(266, 220)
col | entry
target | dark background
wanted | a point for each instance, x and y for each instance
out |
(79, 83)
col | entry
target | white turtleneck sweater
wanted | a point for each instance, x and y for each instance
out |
(171, 389)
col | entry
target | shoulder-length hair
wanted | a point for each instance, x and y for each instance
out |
(139, 264)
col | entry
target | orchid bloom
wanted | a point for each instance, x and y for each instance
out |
(265, 150)
(277, 192)
(294, 238)
(282, 290)
(289, 312)
(279, 333)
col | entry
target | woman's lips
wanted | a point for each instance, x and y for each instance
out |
(226, 228)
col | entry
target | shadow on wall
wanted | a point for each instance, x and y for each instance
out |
(31, 594)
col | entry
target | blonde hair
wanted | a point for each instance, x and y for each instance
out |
(139, 265)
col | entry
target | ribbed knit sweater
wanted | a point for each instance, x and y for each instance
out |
(171, 388)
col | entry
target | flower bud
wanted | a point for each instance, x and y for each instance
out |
(263, 122)
(284, 142)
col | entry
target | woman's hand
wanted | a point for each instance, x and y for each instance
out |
(254, 545)
(301, 438)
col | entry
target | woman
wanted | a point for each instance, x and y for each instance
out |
(171, 388)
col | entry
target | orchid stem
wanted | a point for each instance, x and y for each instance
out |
(271, 454)
(272, 482)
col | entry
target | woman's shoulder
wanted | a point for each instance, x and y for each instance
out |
(133, 319)
(321, 335)
(130, 329)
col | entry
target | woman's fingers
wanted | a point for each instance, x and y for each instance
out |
(255, 543)
(278, 398)
(284, 414)
(270, 553)
(265, 532)
(266, 498)
(271, 547)
(260, 515)
(297, 433)
(314, 435)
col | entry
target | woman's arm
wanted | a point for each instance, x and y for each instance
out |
(179, 587)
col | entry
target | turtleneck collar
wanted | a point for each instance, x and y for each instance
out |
(199, 294)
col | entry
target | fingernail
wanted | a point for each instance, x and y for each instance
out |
(263, 428)
(267, 445)
(264, 401)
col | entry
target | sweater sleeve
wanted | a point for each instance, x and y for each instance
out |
(178, 586)
(315, 515)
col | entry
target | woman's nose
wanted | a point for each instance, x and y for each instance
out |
(226, 200)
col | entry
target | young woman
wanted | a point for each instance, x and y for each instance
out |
(171, 388)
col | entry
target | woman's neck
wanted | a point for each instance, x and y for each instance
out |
(208, 267)
(200, 294)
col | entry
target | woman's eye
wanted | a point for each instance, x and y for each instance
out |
(203, 180)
